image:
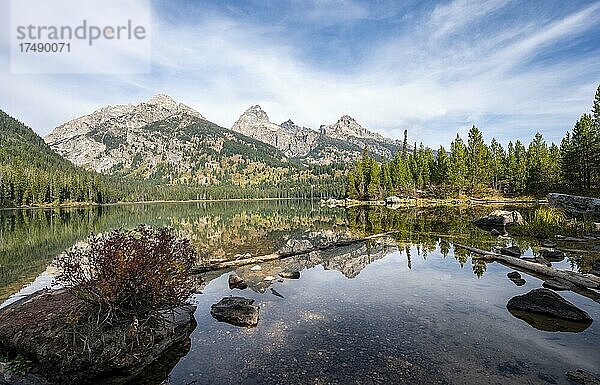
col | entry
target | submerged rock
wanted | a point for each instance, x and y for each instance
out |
(547, 302)
(499, 219)
(513, 275)
(513, 251)
(276, 293)
(288, 275)
(583, 377)
(236, 311)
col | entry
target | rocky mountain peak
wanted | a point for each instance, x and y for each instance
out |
(347, 126)
(162, 99)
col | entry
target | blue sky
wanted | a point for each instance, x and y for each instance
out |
(431, 67)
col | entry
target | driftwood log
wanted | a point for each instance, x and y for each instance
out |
(274, 256)
(583, 280)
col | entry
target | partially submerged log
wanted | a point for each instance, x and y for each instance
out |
(583, 280)
(280, 255)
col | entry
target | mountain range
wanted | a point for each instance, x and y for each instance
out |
(161, 138)
(163, 149)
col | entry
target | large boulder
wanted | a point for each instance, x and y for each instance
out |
(40, 327)
(499, 219)
(236, 311)
(544, 301)
(574, 203)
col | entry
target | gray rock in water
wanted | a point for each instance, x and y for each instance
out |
(495, 233)
(236, 311)
(583, 377)
(513, 251)
(236, 282)
(515, 277)
(558, 284)
(276, 293)
(288, 275)
(499, 219)
(547, 302)
(574, 203)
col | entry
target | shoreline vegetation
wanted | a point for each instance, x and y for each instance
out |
(404, 201)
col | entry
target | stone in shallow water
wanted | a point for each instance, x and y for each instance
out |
(256, 268)
(236, 311)
(513, 275)
(292, 275)
(547, 302)
(499, 219)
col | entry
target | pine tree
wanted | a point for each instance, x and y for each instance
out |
(538, 164)
(441, 167)
(457, 172)
(477, 157)
(497, 164)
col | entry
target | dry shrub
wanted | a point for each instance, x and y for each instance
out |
(130, 274)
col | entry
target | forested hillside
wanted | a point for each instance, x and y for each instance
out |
(477, 168)
(30, 172)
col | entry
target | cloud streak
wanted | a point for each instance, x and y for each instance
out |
(432, 70)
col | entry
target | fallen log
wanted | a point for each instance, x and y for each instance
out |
(277, 255)
(583, 280)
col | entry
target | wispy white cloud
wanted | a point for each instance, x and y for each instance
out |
(431, 78)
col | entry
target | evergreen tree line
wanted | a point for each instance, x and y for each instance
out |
(476, 167)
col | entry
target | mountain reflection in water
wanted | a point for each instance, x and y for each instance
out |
(407, 308)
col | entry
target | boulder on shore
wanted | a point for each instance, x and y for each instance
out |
(574, 203)
(236, 311)
(544, 301)
(40, 327)
(499, 219)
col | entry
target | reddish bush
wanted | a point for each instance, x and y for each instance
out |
(130, 274)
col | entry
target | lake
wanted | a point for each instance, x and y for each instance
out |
(407, 308)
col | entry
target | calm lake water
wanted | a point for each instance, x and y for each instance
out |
(403, 309)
